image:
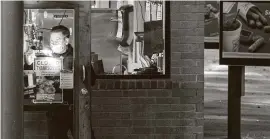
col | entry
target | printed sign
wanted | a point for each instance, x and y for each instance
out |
(246, 31)
(48, 71)
(66, 80)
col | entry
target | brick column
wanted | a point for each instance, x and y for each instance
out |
(187, 66)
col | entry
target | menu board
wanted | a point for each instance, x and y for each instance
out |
(245, 33)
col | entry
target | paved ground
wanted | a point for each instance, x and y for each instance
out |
(255, 105)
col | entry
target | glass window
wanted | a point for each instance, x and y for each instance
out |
(128, 37)
(48, 54)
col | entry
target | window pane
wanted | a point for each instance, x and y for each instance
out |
(129, 40)
(48, 54)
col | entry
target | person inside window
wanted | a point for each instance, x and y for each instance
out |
(61, 123)
(60, 46)
(62, 118)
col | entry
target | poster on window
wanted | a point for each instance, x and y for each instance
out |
(211, 22)
(245, 30)
(47, 80)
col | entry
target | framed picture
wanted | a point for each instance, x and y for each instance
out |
(245, 28)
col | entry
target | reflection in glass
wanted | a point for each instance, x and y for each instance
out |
(127, 37)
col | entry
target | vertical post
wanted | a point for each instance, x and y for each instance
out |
(138, 22)
(236, 86)
(12, 69)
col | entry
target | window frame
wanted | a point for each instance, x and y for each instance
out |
(167, 48)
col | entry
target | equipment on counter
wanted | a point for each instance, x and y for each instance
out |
(127, 19)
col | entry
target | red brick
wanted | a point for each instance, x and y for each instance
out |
(159, 93)
(140, 107)
(175, 70)
(112, 130)
(167, 100)
(176, 136)
(117, 84)
(142, 130)
(196, 85)
(146, 84)
(139, 84)
(188, 16)
(111, 115)
(187, 25)
(184, 122)
(135, 93)
(184, 63)
(132, 84)
(36, 137)
(200, 107)
(110, 100)
(199, 122)
(199, 136)
(144, 123)
(162, 122)
(200, 78)
(191, 100)
(161, 84)
(190, 8)
(192, 55)
(110, 84)
(34, 116)
(187, 47)
(183, 92)
(107, 93)
(124, 84)
(143, 115)
(167, 115)
(184, 78)
(168, 84)
(187, 32)
(153, 84)
(115, 123)
(102, 84)
(176, 130)
(143, 100)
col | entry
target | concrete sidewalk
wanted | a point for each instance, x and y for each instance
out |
(255, 104)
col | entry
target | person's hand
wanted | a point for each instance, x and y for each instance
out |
(252, 15)
(255, 18)
(30, 57)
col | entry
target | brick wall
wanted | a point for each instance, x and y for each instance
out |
(35, 125)
(159, 109)
(152, 109)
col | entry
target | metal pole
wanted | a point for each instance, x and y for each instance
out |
(236, 87)
(12, 70)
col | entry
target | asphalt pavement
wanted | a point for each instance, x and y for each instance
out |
(255, 107)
